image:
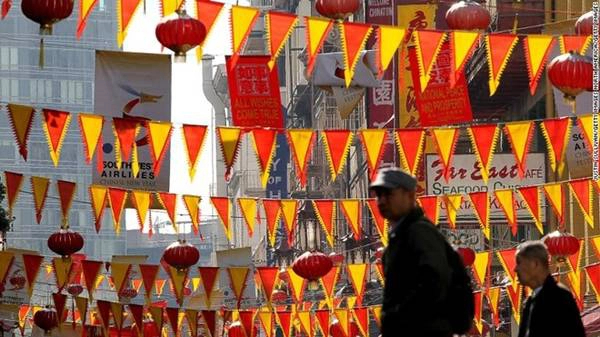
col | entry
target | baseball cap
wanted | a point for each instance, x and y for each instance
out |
(392, 178)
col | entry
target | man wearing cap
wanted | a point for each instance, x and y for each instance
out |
(417, 274)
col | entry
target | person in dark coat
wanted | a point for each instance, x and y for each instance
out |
(416, 269)
(551, 310)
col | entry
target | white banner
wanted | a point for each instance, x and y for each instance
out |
(138, 87)
(466, 178)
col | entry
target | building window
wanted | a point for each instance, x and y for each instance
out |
(5, 89)
(14, 58)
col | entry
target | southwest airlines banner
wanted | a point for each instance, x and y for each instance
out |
(134, 88)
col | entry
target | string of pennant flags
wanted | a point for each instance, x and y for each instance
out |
(285, 211)
(270, 279)
(410, 143)
(279, 26)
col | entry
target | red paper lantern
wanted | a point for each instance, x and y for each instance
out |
(561, 244)
(17, 281)
(337, 9)
(312, 265)
(468, 15)
(65, 242)
(354, 330)
(279, 296)
(236, 329)
(571, 73)
(75, 289)
(336, 330)
(336, 258)
(379, 253)
(46, 319)
(467, 254)
(583, 26)
(128, 293)
(180, 33)
(181, 255)
(47, 12)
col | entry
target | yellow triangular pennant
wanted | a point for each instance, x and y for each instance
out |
(248, 209)
(119, 273)
(192, 204)
(229, 140)
(480, 266)
(389, 40)
(357, 274)
(242, 20)
(373, 141)
(462, 46)
(445, 141)
(452, 202)
(316, 32)
(342, 317)
(62, 267)
(555, 194)
(266, 319)
(91, 131)
(141, 203)
(537, 48)
(238, 276)
(506, 200)
(159, 137)
(520, 134)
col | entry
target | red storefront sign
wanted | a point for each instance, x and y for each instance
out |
(254, 92)
(439, 104)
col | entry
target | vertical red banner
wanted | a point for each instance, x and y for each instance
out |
(254, 92)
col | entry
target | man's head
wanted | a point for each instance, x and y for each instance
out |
(395, 192)
(532, 265)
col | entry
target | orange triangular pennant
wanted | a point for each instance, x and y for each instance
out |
(237, 276)
(483, 140)
(329, 281)
(116, 200)
(91, 133)
(593, 273)
(208, 275)
(248, 209)
(192, 205)
(531, 196)
(481, 208)
(301, 143)
(323, 321)
(379, 221)
(222, 206)
(337, 145)
(357, 274)
(410, 143)
(445, 144)
(289, 212)
(55, 125)
(125, 131)
(514, 295)
(506, 201)
(557, 132)
(537, 49)
(361, 318)
(582, 190)
(272, 214)
(555, 194)
(159, 138)
(39, 189)
(317, 30)
(452, 202)
(520, 135)
(373, 141)
(575, 43)
(66, 192)
(20, 118)
(354, 36)
(499, 47)
(325, 211)
(264, 141)
(279, 26)
(352, 212)
(229, 142)
(428, 44)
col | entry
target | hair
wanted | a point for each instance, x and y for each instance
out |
(535, 250)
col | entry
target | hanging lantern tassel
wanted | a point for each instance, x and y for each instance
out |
(41, 60)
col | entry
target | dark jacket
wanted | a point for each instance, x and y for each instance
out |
(417, 278)
(554, 313)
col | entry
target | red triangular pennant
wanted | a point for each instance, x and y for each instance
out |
(169, 202)
(149, 273)
(499, 47)
(272, 214)
(428, 44)
(285, 322)
(325, 211)
(354, 36)
(20, 118)
(557, 133)
(31, 264)
(66, 192)
(59, 303)
(173, 316)
(531, 196)
(410, 144)
(104, 310)
(323, 321)
(582, 190)
(481, 207)
(116, 199)
(13, 183)
(483, 140)
(379, 221)
(210, 319)
(55, 125)
(337, 145)
(431, 207)
(193, 139)
(137, 312)
(90, 269)
(208, 275)
(268, 278)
